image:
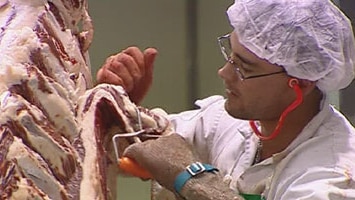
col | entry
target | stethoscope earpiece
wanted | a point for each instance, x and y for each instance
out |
(292, 82)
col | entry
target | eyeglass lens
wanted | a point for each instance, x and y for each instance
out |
(226, 49)
(225, 45)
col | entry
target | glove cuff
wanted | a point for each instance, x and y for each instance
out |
(192, 170)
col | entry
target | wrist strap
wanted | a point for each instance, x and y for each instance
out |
(192, 170)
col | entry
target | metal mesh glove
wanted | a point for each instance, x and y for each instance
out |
(164, 158)
(208, 187)
(168, 156)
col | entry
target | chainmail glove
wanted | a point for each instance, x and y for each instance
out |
(164, 157)
(167, 157)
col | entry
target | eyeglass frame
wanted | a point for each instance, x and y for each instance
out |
(228, 59)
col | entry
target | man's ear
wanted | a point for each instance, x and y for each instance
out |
(307, 86)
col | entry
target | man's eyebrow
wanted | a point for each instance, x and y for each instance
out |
(243, 59)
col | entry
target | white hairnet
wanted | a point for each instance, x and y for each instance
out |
(311, 39)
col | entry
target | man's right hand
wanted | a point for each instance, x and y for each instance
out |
(132, 69)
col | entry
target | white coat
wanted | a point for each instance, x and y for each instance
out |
(318, 165)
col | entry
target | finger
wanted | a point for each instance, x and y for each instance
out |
(101, 75)
(138, 57)
(131, 66)
(134, 152)
(106, 76)
(149, 59)
(119, 71)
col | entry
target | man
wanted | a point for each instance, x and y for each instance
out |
(275, 136)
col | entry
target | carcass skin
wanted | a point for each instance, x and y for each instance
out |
(55, 128)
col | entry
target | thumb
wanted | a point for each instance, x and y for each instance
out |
(137, 152)
(144, 84)
(149, 58)
(132, 151)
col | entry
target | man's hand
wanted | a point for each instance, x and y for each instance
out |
(164, 157)
(168, 156)
(132, 69)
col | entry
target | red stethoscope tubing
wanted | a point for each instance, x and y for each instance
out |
(293, 83)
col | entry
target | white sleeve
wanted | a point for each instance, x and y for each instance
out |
(195, 125)
(217, 137)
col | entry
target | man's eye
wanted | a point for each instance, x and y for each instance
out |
(246, 70)
(244, 67)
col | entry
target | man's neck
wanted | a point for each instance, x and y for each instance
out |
(292, 127)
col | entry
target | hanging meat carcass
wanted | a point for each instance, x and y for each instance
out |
(55, 129)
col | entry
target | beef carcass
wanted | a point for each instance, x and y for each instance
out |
(55, 129)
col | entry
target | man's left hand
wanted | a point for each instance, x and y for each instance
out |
(164, 157)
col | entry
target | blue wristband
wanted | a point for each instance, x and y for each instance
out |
(191, 171)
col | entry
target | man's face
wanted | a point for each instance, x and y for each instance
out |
(260, 98)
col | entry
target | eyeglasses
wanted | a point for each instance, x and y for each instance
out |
(226, 50)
